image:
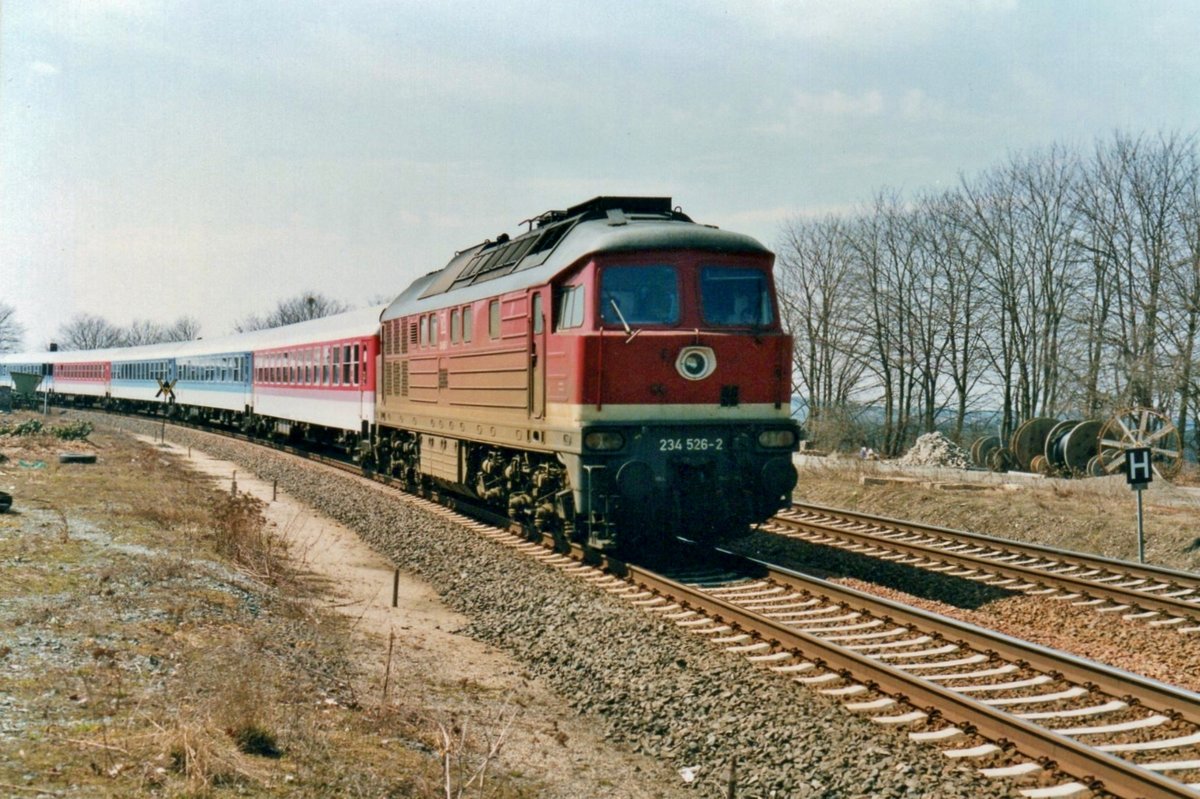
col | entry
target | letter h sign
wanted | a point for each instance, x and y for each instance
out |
(1137, 468)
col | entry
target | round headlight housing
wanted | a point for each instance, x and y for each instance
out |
(696, 363)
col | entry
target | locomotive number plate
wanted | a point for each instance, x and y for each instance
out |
(691, 444)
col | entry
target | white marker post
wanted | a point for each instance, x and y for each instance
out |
(1139, 473)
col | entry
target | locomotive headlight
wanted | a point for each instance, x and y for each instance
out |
(696, 363)
(777, 438)
(604, 440)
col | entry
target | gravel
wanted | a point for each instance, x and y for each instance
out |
(653, 687)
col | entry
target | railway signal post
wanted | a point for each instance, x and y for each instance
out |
(166, 390)
(1138, 473)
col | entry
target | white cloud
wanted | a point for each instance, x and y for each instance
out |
(916, 105)
(836, 103)
(864, 24)
(43, 68)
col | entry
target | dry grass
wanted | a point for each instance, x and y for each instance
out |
(157, 644)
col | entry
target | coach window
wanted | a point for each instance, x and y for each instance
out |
(455, 326)
(468, 318)
(357, 376)
(494, 319)
(346, 365)
(337, 366)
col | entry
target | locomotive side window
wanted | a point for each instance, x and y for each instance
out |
(538, 324)
(639, 295)
(734, 296)
(433, 330)
(570, 307)
(424, 330)
(494, 319)
(468, 318)
(455, 326)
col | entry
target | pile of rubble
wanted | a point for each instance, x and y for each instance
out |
(934, 449)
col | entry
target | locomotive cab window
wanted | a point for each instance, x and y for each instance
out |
(570, 307)
(639, 295)
(735, 297)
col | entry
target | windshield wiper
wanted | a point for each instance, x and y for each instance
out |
(628, 330)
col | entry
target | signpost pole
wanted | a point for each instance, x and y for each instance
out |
(1141, 531)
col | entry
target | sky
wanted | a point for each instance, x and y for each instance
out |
(210, 158)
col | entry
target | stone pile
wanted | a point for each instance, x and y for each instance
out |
(934, 449)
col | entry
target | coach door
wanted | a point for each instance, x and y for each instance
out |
(537, 356)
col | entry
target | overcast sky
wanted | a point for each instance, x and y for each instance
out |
(212, 157)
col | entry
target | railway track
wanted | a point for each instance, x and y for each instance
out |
(1015, 709)
(1023, 711)
(1161, 597)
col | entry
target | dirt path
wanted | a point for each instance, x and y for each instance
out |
(433, 666)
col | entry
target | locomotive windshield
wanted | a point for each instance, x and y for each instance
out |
(639, 295)
(735, 297)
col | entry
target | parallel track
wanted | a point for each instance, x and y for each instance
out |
(1162, 597)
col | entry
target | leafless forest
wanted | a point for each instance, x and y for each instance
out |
(1061, 282)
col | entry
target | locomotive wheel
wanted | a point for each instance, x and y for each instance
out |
(1030, 439)
(1141, 427)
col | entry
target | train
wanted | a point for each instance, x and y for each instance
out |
(616, 374)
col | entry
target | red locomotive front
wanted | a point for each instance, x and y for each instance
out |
(626, 376)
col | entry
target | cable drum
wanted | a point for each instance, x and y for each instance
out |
(1079, 445)
(1029, 440)
(1054, 454)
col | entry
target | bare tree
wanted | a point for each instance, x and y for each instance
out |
(300, 308)
(89, 332)
(185, 328)
(142, 331)
(961, 311)
(11, 331)
(819, 307)
(1134, 195)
